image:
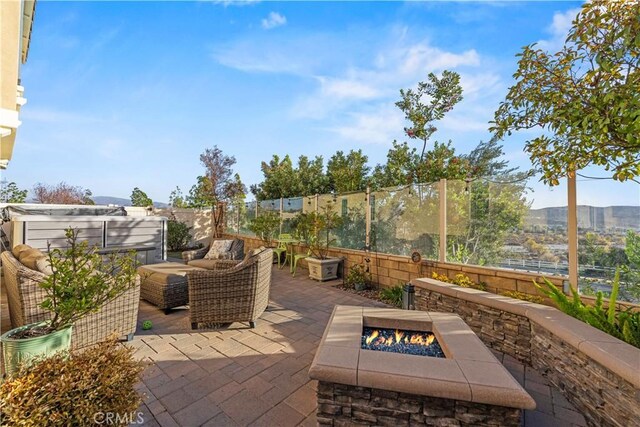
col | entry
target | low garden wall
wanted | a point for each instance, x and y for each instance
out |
(596, 372)
(392, 270)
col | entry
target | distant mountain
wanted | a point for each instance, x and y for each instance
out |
(109, 200)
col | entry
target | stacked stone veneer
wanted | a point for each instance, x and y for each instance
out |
(347, 405)
(604, 397)
(597, 373)
(500, 330)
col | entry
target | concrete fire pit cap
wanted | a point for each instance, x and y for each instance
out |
(470, 372)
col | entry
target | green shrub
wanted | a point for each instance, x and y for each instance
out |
(81, 282)
(178, 235)
(624, 325)
(460, 280)
(266, 226)
(358, 275)
(74, 390)
(392, 295)
(523, 296)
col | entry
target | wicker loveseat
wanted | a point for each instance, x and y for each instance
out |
(231, 293)
(196, 258)
(119, 316)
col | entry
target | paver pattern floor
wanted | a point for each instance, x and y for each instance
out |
(258, 377)
(239, 376)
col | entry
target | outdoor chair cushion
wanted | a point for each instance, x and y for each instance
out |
(30, 257)
(43, 266)
(218, 249)
(166, 272)
(19, 248)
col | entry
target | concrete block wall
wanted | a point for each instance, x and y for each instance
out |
(393, 270)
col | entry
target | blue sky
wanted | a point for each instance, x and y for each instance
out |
(124, 95)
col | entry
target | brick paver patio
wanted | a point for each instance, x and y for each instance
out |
(241, 376)
(258, 377)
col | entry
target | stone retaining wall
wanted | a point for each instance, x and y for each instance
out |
(502, 331)
(596, 372)
(346, 405)
(605, 399)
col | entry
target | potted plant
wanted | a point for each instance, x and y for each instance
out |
(315, 229)
(81, 282)
(358, 277)
(266, 227)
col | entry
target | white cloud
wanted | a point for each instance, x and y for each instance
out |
(273, 20)
(377, 127)
(420, 57)
(355, 89)
(238, 3)
(345, 88)
(559, 29)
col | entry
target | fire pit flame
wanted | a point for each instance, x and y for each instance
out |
(401, 341)
(372, 336)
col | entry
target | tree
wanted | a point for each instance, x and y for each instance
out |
(62, 193)
(176, 199)
(402, 161)
(219, 185)
(10, 193)
(279, 179)
(282, 179)
(584, 98)
(199, 194)
(481, 214)
(443, 94)
(310, 177)
(348, 173)
(140, 198)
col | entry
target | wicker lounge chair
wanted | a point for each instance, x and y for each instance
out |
(117, 317)
(231, 293)
(196, 257)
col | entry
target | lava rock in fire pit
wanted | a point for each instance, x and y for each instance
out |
(401, 341)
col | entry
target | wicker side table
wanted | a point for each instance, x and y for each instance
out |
(165, 285)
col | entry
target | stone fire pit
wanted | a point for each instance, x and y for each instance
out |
(360, 386)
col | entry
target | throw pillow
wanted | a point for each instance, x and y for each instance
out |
(43, 266)
(19, 248)
(29, 258)
(218, 249)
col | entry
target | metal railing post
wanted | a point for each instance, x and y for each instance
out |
(238, 219)
(367, 219)
(442, 252)
(572, 229)
(281, 214)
